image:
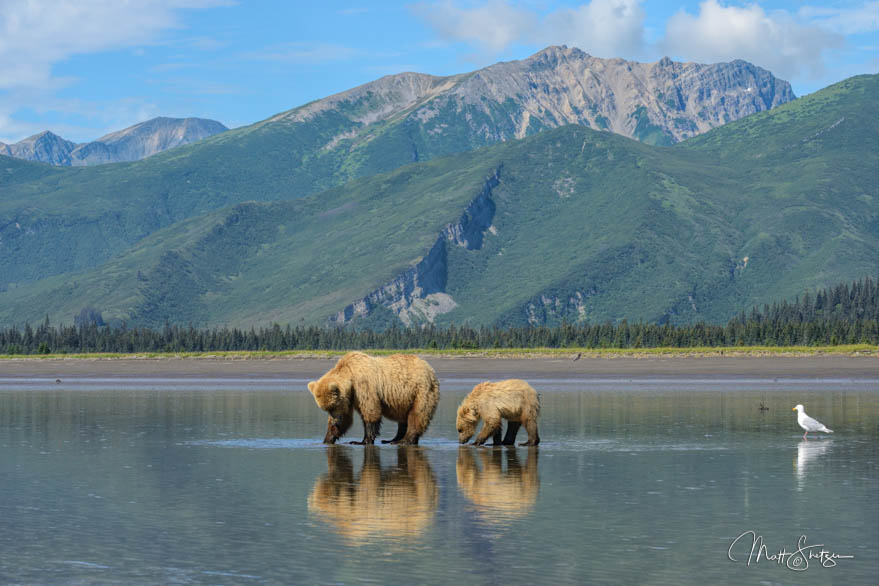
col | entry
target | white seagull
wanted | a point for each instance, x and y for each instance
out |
(808, 423)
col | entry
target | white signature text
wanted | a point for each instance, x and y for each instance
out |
(796, 560)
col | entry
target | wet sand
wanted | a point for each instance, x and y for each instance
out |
(797, 367)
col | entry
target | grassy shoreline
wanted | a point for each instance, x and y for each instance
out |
(868, 350)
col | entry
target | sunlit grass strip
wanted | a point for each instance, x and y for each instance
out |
(752, 351)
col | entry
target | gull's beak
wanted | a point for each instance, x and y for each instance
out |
(794, 409)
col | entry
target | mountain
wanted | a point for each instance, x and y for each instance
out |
(658, 103)
(569, 224)
(131, 144)
(45, 146)
(98, 212)
(144, 139)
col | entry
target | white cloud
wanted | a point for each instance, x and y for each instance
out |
(493, 26)
(791, 44)
(607, 28)
(604, 28)
(777, 40)
(857, 19)
(35, 35)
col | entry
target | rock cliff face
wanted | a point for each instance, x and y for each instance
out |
(418, 295)
(658, 103)
(131, 144)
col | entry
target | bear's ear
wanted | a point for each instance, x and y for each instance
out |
(311, 386)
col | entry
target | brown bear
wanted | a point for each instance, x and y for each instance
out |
(401, 387)
(513, 400)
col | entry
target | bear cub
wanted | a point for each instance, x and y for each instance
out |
(514, 400)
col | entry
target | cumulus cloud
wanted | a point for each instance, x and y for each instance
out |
(779, 41)
(604, 28)
(607, 28)
(493, 26)
(792, 44)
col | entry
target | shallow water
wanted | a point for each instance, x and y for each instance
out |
(642, 481)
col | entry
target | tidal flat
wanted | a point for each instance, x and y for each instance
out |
(649, 469)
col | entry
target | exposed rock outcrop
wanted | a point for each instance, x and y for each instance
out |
(418, 295)
(659, 103)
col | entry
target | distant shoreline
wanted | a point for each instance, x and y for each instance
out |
(860, 362)
(858, 350)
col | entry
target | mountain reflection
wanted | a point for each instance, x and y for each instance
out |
(395, 503)
(500, 493)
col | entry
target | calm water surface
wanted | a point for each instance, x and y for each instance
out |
(225, 482)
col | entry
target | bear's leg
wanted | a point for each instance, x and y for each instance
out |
(371, 429)
(531, 428)
(336, 428)
(402, 426)
(423, 408)
(512, 430)
(496, 438)
(417, 422)
(491, 425)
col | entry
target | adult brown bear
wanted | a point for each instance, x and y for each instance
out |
(401, 387)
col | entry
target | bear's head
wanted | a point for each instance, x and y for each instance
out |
(466, 422)
(334, 395)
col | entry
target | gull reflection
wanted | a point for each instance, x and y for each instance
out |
(807, 453)
(394, 504)
(501, 494)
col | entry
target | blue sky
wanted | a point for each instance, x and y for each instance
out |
(82, 68)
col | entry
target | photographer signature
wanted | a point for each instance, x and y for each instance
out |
(797, 560)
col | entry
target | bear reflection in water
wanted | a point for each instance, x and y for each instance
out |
(394, 503)
(500, 494)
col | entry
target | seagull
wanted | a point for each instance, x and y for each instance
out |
(808, 423)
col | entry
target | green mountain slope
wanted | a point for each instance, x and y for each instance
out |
(303, 259)
(57, 222)
(568, 224)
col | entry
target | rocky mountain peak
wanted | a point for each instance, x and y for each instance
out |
(659, 103)
(130, 144)
(44, 146)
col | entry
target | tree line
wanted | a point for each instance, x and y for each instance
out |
(845, 314)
